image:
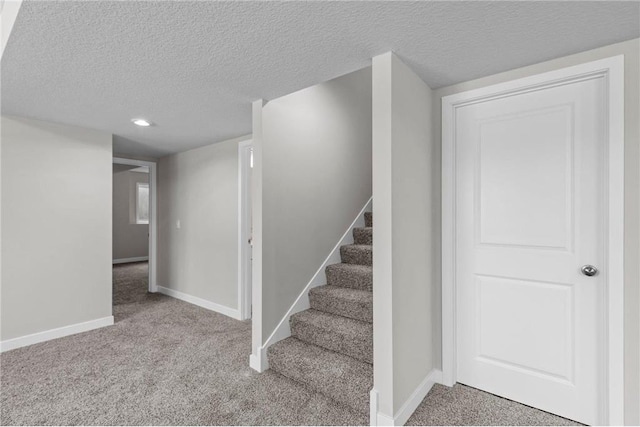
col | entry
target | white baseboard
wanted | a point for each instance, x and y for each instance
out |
(259, 363)
(301, 303)
(134, 259)
(51, 334)
(222, 309)
(410, 405)
(373, 407)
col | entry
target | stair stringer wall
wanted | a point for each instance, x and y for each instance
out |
(301, 303)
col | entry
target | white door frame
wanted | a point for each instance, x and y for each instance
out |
(244, 229)
(153, 216)
(611, 70)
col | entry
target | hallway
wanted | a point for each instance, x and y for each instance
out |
(130, 285)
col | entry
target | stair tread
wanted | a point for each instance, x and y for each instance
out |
(334, 332)
(363, 235)
(356, 268)
(347, 302)
(349, 294)
(357, 254)
(368, 219)
(353, 276)
(356, 329)
(342, 378)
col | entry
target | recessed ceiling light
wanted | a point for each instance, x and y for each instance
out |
(141, 122)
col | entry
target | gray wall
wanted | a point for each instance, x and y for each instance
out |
(405, 255)
(631, 51)
(56, 226)
(130, 240)
(316, 177)
(200, 188)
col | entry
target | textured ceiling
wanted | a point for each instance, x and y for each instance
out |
(194, 67)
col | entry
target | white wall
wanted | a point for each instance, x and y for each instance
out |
(631, 51)
(130, 240)
(56, 226)
(316, 177)
(199, 188)
(405, 255)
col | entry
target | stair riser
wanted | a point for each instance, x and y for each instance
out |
(356, 255)
(349, 387)
(360, 349)
(349, 279)
(351, 309)
(368, 219)
(363, 236)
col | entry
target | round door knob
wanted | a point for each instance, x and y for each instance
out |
(589, 270)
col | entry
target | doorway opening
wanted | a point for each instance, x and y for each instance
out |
(134, 230)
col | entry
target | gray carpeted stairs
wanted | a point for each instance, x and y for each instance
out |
(331, 345)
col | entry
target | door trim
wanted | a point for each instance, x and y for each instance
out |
(244, 229)
(153, 216)
(611, 70)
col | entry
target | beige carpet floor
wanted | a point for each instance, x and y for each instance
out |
(167, 362)
(462, 405)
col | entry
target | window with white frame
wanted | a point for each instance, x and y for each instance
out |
(142, 203)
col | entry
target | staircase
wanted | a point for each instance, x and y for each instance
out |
(330, 349)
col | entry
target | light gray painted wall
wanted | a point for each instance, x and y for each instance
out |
(56, 226)
(129, 239)
(405, 227)
(631, 51)
(413, 231)
(383, 242)
(316, 177)
(200, 188)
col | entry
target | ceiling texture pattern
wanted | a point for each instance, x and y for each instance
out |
(193, 68)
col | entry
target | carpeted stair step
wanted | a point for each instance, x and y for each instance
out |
(363, 236)
(350, 276)
(368, 219)
(342, 378)
(353, 303)
(343, 335)
(357, 254)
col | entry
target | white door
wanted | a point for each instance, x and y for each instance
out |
(529, 215)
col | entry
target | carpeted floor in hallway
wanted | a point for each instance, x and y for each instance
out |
(167, 362)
